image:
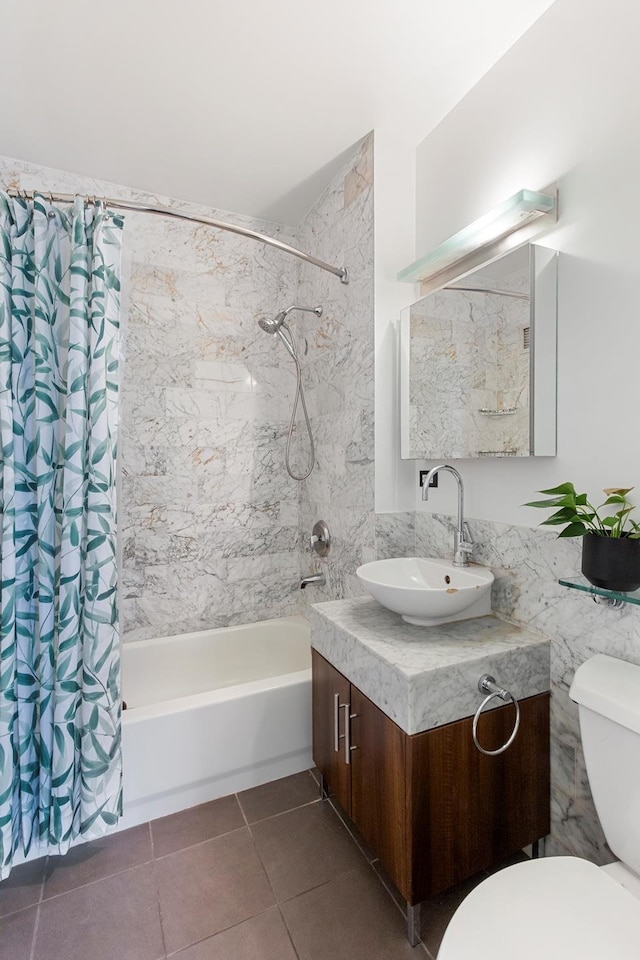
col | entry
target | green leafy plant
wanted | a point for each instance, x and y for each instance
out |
(579, 517)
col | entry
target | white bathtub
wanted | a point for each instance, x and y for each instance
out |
(213, 712)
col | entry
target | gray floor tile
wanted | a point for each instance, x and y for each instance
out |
(209, 887)
(261, 938)
(23, 887)
(204, 822)
(278, 796)
(304, 848)
(117, 917)
(97, 859)
(103, 900)
(16, 934)
(349, 918)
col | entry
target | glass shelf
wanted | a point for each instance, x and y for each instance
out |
(581, 583)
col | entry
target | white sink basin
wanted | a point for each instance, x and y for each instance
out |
(426, 591)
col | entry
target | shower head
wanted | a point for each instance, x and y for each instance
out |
(273, 325)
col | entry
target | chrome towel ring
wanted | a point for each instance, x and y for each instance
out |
(487, 684)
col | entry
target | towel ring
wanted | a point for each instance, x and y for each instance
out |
(487, 683)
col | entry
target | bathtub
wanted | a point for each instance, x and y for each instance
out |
(213, 712)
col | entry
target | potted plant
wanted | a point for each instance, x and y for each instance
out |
(610, 540)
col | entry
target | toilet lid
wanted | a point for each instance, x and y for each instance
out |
(556, 908)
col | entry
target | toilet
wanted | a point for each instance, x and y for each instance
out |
(566, 907)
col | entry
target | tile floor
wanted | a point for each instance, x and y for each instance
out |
(268, 874)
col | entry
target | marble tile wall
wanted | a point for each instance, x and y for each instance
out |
(208, 516)
(338, 368)
(526, 563)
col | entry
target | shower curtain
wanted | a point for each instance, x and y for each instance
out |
(60, 764)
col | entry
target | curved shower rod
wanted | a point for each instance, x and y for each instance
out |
(340, 272)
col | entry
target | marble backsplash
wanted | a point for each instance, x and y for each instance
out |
(527, 563)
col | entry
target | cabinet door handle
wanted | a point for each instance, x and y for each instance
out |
(348, 717)
(336, 722)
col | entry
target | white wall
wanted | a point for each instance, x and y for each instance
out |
(395, 198)
(400, 123)
(563, 104)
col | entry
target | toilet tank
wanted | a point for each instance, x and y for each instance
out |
(607, 691)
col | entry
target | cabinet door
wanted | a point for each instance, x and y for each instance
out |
(378, 786)
(330, 696)
(467, 811)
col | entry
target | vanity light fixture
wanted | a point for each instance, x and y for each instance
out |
(508, 226)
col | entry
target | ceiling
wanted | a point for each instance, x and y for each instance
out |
(242, 105)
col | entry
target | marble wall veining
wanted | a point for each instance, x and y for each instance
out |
(527, 563)
(338, 367)
(209, 520)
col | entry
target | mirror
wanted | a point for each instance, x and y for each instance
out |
(478, 363)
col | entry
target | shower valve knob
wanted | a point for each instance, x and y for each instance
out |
(320, 539)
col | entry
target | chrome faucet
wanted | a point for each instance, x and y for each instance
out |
(318, 578)
(462, 543)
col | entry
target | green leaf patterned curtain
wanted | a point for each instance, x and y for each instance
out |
(60, 763)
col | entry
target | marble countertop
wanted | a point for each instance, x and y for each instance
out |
(423, 677)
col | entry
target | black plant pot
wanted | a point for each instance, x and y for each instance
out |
(612, 563)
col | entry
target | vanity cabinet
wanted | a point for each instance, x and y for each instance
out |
(430, 805)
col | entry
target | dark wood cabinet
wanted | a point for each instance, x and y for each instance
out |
(330, 693)
(431, 806)
(378, 785)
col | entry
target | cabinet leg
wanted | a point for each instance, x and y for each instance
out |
(324, 788)
(538, 848)
(413, 924)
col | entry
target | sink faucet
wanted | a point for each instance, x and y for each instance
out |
(462, 543)
(318, 578)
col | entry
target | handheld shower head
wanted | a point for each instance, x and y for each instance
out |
(278, 328)
(270, 325)
(273, 325)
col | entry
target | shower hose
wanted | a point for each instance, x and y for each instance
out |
(290, 344)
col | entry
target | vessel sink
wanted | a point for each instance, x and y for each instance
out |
(426, 591)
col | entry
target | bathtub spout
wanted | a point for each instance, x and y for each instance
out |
(318, 578)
